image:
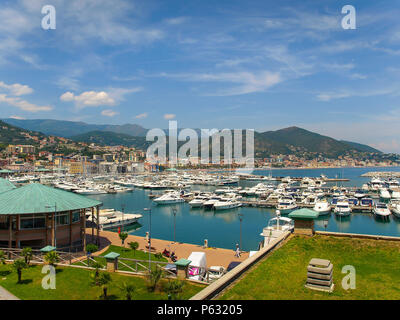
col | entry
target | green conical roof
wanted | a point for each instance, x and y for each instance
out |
(6, 185)
(37, 198)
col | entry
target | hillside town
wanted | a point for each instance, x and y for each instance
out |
(82, 158)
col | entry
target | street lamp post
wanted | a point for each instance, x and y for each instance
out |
(123, 211)
(174, 213)
(149, 210)
(55, 223)
(240, 219)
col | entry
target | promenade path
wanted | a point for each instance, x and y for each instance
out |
(214, 256)
(5, 295)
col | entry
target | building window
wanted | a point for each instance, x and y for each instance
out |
(76, 216)
(62, 219)
(31, 221)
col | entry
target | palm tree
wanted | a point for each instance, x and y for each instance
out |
(123, 236)
(27, 254)
(2, 257)
(102, 280)
(97, 265)
(174, 288)
(134, 246)
(154, 277)
(18, 265)
(51, 258)
(128, 290)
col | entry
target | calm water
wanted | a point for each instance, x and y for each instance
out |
(223, 229)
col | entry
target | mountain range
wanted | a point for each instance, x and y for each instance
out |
(284, 141)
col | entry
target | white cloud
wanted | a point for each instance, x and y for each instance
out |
(176, 21)
(23, 104)
(109, 113)
(169, 116)
(89, 99)
(142, 116)
(17, 117)
(249, 82)
(16, 89)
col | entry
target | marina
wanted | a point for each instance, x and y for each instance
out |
(227, 210)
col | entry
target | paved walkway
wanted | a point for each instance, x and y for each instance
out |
(214, 256)
(5, 295)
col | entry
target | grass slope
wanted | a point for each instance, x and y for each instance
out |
(283, 274)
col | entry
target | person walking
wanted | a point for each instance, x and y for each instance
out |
(237, 253)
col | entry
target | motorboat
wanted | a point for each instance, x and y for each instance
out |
(275, 228)
(169, 198)
(198, 201)
(360, 194)
(366, 202)
(209, 204)
(111, 218)
(286, 205)
(384, 194)
(342, 208)
(395, 207)
(322, 207)
(381, 210)
(226, 203)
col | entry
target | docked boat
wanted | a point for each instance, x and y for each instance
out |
(226, 203)
(381, 210)
(209, 204)
(111, 218)
(366, 202)
(395, 208)
(169, 198)
(322, 207)
(343, 208)
(286, 205)
(198, 201)
(384, 194)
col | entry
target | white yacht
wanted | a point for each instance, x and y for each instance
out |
(286, 205)
(89, 191)
(384, 194)
(396, 194)
(275, 228)
(111, 218)
(169, 198)
(395, 208)
(226, 203)
(198, 201)
(381, 210)
(322, 207)
(342, 208)
(209, 204)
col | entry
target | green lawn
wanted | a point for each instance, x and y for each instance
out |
(74, 284)
(283, 274)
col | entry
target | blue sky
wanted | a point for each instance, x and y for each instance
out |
(263, 65)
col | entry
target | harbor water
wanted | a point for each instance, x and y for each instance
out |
(224, 230)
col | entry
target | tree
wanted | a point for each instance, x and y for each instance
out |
(91, 247)
(154, 277)
(2, 257)
(123, 236)
(18, 265)
(27, 254)
(97, 265)
(174, 288)
(102, 280)
(51, 258)
(134, 246)
(128, 290)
